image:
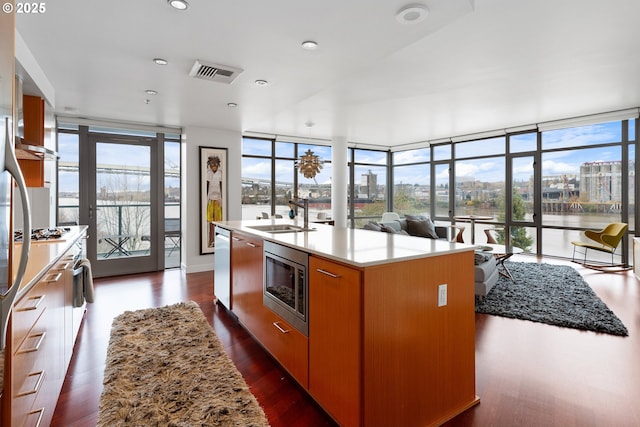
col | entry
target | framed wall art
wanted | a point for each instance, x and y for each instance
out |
(213, 194)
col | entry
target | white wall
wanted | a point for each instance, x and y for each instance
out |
(193, 138)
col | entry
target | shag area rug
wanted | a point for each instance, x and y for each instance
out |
(553, 294)
(166, 367)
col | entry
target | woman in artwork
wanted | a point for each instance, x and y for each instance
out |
(214, 194)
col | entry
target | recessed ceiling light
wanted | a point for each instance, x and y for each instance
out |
(179, 4)
(160, 61)
(412, 14)
(309, 45)
(262, 82)
(151, 92)
(232, 104)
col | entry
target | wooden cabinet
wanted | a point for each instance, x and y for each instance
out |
(334, 339)
(283, 341)
(37, 351)
(33, 113)
(72, 315)
(246, 277)
(418, 357)
(43, 327)
(382, 352)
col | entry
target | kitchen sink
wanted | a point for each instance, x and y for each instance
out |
(280, 228)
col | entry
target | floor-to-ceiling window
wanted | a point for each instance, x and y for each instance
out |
(411, 181)
(478, 183)
(257, 181)
(172, 222)
(368, 172)
(271, 178)
(582, 183)
(68, 174)
(543, 188)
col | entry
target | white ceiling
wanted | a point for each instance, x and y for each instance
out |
(471, 66)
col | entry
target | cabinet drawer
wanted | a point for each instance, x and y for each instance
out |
(25, 396)
(34, 417)
(27, 312)
(285, 343)
(29, 356)
(30, 369)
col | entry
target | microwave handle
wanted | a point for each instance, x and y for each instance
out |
(11, 166)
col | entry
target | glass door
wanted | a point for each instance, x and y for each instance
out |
(522, 204)
(122, 205)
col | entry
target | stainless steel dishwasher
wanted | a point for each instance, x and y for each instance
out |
(222, 266)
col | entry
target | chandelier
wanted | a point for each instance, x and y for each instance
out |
(309, 164)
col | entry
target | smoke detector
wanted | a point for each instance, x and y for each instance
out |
(214, 72)
(412, 14)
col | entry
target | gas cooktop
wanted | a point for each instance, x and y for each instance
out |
(42, 234)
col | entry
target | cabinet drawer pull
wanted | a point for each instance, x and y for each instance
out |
(36, 387)
(40, 413)
(280, 328)
(62, 266)
(54, 278)
(35, 303)
(236, 239)
(36, 346)
(253, 245)
(335, 276)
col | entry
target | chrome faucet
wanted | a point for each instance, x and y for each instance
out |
(304, 204)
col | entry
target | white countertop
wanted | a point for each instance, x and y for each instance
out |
(357, 247)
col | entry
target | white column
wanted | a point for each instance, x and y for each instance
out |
(339, 180)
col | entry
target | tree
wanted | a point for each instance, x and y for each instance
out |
(519, 236)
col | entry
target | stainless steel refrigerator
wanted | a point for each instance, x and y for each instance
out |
(10, 280)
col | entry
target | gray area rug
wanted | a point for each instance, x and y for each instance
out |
(553, 294)
(166, 367)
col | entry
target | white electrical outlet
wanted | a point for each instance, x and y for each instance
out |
(442, 295)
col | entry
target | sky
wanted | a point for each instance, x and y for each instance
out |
(114, 155)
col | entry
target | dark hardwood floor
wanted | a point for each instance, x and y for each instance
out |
(527, 374)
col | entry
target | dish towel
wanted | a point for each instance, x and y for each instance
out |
(88, 280)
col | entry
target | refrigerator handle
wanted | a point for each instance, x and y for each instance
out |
(11, 166)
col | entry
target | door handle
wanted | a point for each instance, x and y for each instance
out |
(11, 166)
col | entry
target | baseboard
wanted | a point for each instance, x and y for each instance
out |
(197, 268)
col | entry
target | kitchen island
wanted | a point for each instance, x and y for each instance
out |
(391, 323)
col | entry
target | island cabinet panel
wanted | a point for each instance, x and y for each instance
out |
(284, 342)
(334, 339)
(246, 278)
(419, 363)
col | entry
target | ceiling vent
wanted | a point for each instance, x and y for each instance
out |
(214, 72)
